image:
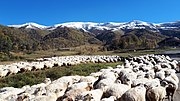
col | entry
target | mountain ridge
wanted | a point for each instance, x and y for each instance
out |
(110, 35)
(87, 26)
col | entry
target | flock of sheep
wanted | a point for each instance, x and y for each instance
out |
(143, 78)
(43, 63)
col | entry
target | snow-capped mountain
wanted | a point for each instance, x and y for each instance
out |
(30, 25)
(170, 25)
(85, 26)
(138, 25)
(89, 26)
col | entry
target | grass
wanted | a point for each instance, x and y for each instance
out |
(35, 77)
(51, 53)
(85, 50)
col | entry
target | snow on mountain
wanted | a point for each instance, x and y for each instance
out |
(30, 25)
(86, 26)
(169, 25)
(138, 25)
(89, 26)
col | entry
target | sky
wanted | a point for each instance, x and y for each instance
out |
(50, 12)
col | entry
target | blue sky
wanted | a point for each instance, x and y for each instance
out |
(50, 12)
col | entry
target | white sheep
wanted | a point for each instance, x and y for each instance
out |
(71, 94)
(157, 93)
(89, 79)
(137, 93)
(49, 97)
(56, 88)
(13, 69)
(116, 89)
(8, 92)
(4, 72)
(93, 95)
(172, 85)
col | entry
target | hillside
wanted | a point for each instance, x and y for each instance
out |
(137, 39)
(63, 37)
(20, 39)
(172, 41)
(127, 35)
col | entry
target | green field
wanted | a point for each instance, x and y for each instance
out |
(30, 56)
(35, 77)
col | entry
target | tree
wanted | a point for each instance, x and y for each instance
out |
(5, 43)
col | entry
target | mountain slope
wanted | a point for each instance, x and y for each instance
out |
(137, 39)
(91, 26)
(30, 25)
(173, 42)
(22, 39)
(68, 37)
(127, 35)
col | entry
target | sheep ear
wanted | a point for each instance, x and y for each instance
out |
(164, 83)
(170, 85)
(118, 81)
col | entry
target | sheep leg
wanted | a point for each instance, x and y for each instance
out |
(169, 98)
(172, 97)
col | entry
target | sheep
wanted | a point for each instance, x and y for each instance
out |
(157, 93)
(93, 95)
(107, 75)
(125, 71)
(140, 74)
(4, 72)
(97, 74)
(38, 65)
(165, 65)
(81, 85)
(27, 68)
(120, 66)
(24, 97)
(116, 70)
(172, 85)
(75, 90)
(111, 98)
(134, 94)
(38, 89)
(71, 94)
(106, 70)
(150, 74)
(48, 64)
(8, 92)
(105, 79)
(139, 81)
(49, 97)
(127, 76)
(43, 63)
(170, 90)
(115, 84)
(173, 64)
(68, 80)
(13, 69)
(57, 88)
(116, 90)
(89, 79)
(160, 75)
